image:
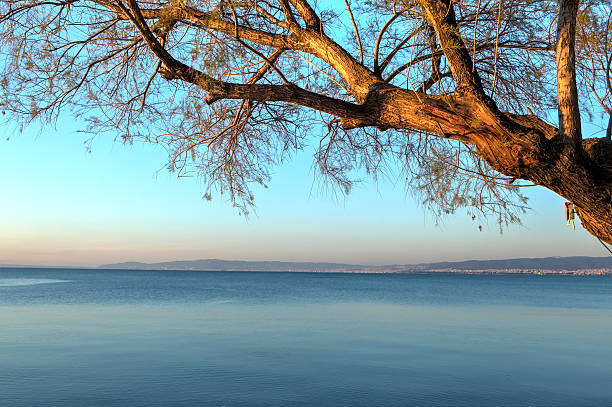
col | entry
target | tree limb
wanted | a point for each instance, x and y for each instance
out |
(310, 17)
(441, 15)
(567, 91)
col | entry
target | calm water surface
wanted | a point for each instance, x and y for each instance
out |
(179, 338)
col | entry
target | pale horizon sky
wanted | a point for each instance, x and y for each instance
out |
(64, 206)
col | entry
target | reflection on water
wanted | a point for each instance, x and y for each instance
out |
(15, 282)
(267, 339)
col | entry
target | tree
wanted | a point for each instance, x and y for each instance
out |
(459, 91)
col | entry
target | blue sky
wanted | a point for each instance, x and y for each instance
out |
(61, 205)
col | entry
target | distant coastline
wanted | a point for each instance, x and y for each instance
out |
(574, 265)
(532, 271)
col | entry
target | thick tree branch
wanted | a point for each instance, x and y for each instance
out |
(312, 42)
(440, 14)
(289, 17)
(310, 17)
(567, 91)
(174, 69)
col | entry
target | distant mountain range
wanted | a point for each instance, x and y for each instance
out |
(234, 265)
(546, 264)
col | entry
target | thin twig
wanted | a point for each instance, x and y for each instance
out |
(379, 39)
(474, 44)
(496, 48)
(348, 7)
(604, 245)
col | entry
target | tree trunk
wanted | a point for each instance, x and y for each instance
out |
(567, 91)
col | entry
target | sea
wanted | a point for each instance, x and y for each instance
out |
(71, 337)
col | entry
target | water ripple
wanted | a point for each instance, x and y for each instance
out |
(16, 282)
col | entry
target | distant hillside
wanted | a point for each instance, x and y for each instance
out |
(544, 263)
(234, 265)
(529, 264)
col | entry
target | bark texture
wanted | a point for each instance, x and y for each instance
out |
(567, 90)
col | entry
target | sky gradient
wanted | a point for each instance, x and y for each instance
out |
(61, 205)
